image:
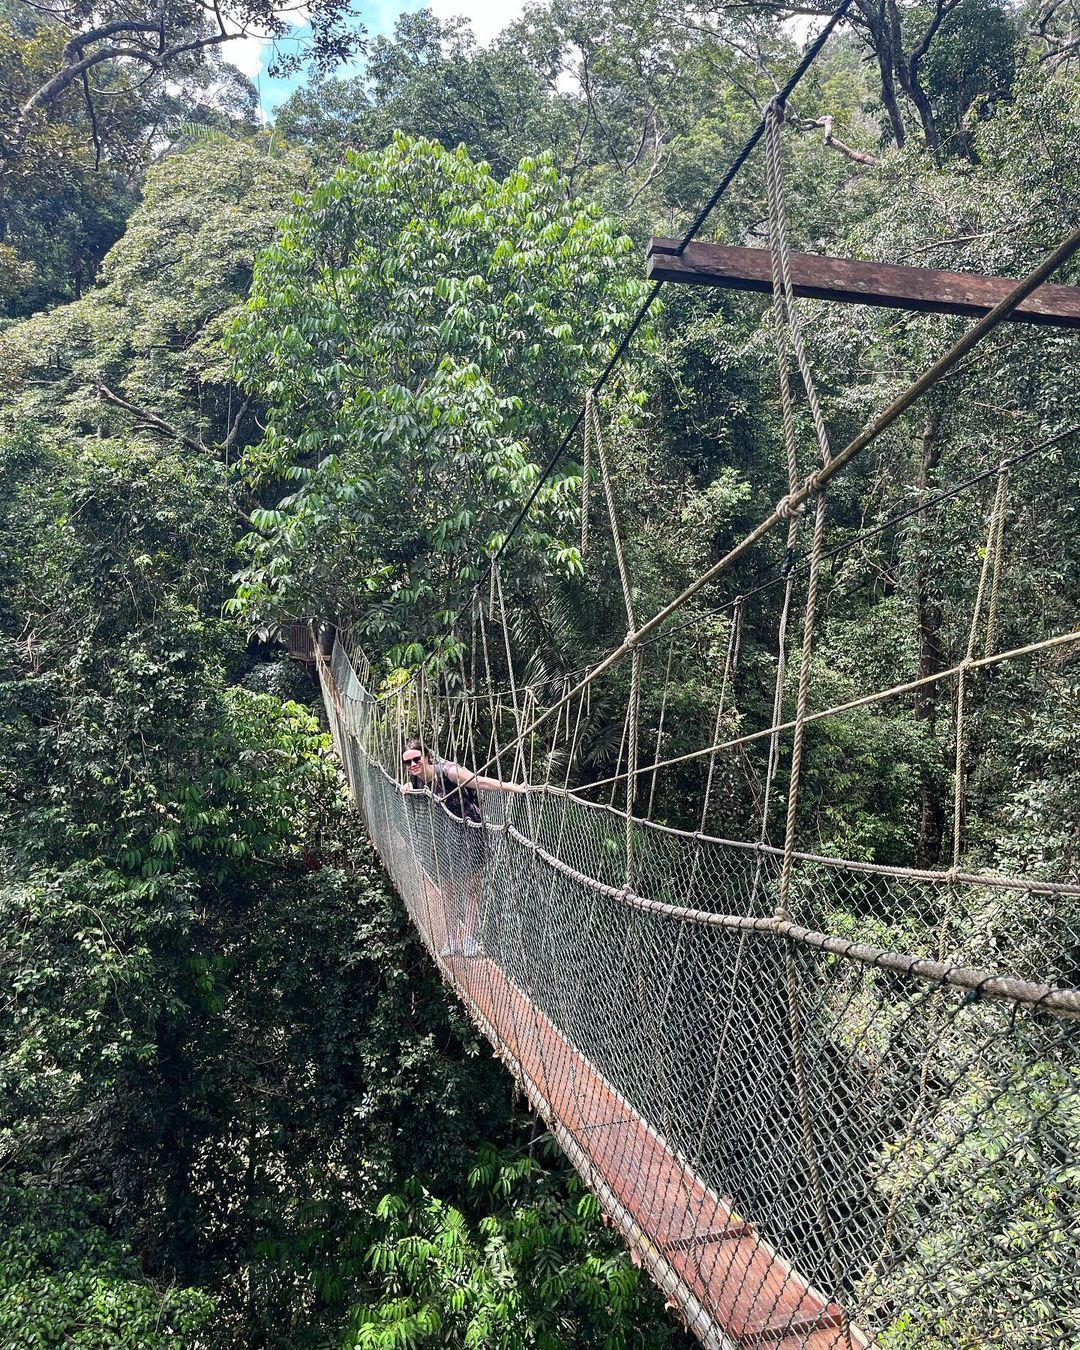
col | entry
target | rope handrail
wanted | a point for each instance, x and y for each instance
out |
(1049, 998)
(863, 701)
(996, 880)
(816, 481)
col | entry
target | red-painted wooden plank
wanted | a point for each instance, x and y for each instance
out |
(821, 277)
(753, 1296)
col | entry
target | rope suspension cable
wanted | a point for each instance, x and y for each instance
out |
(853, 541)
(809, 57)
(863, 701)
(816, 481)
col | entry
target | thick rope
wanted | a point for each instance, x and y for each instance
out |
(813, 484)
(660, 722)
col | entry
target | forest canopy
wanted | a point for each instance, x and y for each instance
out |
(253, 373)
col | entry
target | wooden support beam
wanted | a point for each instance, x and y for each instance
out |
(861, 283)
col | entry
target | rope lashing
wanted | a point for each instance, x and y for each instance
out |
(676, 1017)
(790, 507)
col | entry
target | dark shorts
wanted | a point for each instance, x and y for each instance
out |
(470, 841)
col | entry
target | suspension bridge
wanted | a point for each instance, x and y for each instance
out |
(828, 1103)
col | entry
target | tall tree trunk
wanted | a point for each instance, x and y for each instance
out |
(909, 80)
(882, 42)
(931, 660)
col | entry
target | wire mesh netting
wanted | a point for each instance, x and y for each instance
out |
(856, 1124)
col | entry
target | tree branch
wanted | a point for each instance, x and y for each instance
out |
(92, 114)
(826, 122)
(151, 420)
(230, 438)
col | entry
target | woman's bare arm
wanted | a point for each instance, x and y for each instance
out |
(466, 778)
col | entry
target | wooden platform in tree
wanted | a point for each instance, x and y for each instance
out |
(924, 289)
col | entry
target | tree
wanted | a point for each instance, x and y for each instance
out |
(452, 1276)
(158, 40)
(67, 195)
(421, 334)
(143, 349)
(905, 39)
(64, 1280)
(431, 79)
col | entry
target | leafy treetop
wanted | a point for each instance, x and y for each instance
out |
(421, 334)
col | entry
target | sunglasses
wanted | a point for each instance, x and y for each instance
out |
(414, 760)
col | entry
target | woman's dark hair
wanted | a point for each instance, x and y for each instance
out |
(415, 743)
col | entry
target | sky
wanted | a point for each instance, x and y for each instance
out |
(253, 55)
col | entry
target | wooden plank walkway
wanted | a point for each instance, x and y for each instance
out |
(734, 1290)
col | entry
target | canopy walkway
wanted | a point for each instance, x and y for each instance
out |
(799, 1135)
(827, 1102)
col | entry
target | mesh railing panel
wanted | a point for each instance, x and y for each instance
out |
(810, 1147)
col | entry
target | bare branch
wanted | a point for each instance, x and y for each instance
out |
(230, 438)
(826, 123)
(151, 420)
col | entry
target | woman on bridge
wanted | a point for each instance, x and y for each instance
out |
(458, 789)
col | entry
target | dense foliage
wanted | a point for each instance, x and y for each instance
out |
(419, 333)
(259, 375)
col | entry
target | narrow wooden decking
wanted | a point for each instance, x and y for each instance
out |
(734, 1291)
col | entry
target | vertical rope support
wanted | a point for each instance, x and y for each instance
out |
(801, 701)
(786, 306)
(660, 725)
(586, 470)
(999, 549)
(633, 701)
(781, 333)
(519, 755)
(632, 759)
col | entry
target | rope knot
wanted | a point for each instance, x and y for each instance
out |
(814, 484)
(632, 639)
(788, 509)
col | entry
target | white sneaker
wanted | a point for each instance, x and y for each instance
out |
(451, 948)
(470, 947)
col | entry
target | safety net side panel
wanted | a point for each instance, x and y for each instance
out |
(802, 1138)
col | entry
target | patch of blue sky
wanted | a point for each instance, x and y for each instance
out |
(255, 56)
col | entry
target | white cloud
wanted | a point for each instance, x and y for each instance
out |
(248, 54)
(487, 17)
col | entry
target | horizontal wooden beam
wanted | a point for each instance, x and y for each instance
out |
(861, 283)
